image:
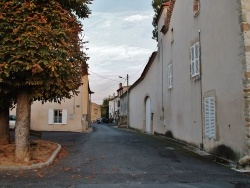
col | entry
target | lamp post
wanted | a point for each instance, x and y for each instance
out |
(125, 78)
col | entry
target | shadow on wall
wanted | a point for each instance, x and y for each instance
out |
(225, 152)
(169, 134)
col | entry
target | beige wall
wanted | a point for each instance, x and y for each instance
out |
(77, 108)
(95, 111)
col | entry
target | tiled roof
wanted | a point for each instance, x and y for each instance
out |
(164, 5)
(165, 28)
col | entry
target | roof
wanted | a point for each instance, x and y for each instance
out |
(163, 6)
(150, 62)
(165, 28)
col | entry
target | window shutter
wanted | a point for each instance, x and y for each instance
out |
(210, 117)
(64, 116)
(51, 117)
(195, 59)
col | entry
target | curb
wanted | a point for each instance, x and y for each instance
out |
(35, 166)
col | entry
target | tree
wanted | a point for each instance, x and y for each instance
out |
(156, 4)
(6, 102)
(41, 56)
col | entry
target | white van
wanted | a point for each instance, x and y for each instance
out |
(12, 122)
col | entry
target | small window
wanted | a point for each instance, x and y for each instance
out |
(196, 7)
(172, 35)
(170, 76)
(195, 59)
(210, 117)
(57, 116)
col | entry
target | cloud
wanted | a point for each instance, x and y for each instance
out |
(136, 18)
(120, 43)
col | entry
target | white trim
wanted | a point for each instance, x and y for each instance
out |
(51, 117)
(195, 59)
(210, 117)
(64, 116)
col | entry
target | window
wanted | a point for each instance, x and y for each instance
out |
(57, 116)
(196, 7)
(172, 35)
(210, 117)
(195, 59)
(170, 75)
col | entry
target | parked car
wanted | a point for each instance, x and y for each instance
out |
(102, 120)
(12, 122)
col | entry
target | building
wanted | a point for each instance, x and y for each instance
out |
(95, 111)
(113, 108)
(71, 115)
(195, 88)
(123, 117)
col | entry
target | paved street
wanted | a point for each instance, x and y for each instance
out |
(112, 157)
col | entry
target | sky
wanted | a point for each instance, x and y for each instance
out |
(119, 35)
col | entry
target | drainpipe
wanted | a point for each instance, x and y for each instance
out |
(163, 118)
(202, 125)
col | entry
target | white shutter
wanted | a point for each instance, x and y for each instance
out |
(51, 117)
(210, 117)
(195, 59)
(64, 116)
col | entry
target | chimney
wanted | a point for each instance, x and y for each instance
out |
(120, 85)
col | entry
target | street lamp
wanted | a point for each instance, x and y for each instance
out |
(125, 78)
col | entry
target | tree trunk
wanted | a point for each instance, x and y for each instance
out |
(4, 127)
(22, 152)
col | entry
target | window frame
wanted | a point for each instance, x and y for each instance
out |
(196, 7)
(51, 117)
(195, 59)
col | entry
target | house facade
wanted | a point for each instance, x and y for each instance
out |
(71, 115)
(195, 88)
(114, 108)
(95, 110)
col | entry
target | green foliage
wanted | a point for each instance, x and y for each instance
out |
(105, 102)
(40, 47)
(156, 4)
(79, 7)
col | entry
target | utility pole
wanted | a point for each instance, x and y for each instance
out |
(127, 79)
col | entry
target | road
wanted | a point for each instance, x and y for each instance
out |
(113, 157)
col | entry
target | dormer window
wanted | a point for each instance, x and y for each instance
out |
(196, 7)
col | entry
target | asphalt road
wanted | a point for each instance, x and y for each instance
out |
(113, 157)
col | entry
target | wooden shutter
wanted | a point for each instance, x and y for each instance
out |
(64, 116)
(210, 117)
(51, 117)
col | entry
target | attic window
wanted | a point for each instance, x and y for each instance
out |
(196, 7)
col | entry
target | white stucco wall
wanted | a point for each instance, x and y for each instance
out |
(217, 29)
(222, 70)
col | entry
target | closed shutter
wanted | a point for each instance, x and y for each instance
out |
(210, 117)
(64, 116)
(51, 117)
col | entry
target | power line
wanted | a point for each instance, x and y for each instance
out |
(102, 76)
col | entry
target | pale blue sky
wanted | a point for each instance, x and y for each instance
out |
(120, 43)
